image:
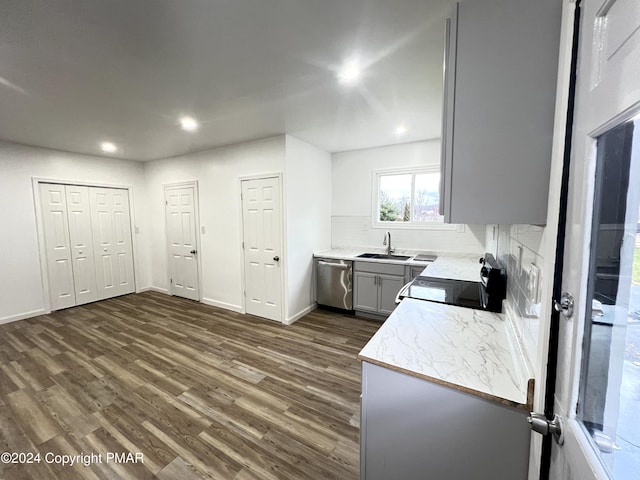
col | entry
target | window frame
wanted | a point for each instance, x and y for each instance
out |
(410, 225)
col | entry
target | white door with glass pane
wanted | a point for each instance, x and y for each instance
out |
(182, 236)
(598, 371)
(262, 244)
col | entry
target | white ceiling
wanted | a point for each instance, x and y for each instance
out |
(74, 73)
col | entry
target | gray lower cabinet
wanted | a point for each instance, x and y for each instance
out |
(365, 292)
(416, 271)
(413, 429)
(388, 288)
(375, 286)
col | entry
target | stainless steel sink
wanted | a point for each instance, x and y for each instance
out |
(384, 256)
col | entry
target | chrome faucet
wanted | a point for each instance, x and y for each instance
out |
(387, 242)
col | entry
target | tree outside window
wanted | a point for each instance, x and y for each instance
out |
(410, 198)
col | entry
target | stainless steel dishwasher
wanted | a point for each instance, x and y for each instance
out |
(334, 283)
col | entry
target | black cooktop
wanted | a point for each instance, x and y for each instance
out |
(453, 292)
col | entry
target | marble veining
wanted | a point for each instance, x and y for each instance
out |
(465, 348)
(456, 268)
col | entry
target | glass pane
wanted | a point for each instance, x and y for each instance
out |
(610, 388)
(394, 201)
(427, 198)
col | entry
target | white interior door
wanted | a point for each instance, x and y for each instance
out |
(182, 235)
(111, 226)
(262, 229)
(81, 241)
(598, 355)
(57, 245)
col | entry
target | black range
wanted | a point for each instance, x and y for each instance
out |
(485, 294)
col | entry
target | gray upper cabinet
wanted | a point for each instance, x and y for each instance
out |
(501, 64)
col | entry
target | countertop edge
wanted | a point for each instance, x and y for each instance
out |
(525, 407)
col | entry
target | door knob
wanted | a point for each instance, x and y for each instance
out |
(276, 258)
(193, 252)
(541, 424)
(565, 305)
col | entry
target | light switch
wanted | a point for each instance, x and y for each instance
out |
(202, 230)
(136, 230)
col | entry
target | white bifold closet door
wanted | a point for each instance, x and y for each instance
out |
(81, 240)
(112, 241)
(87, 234)
(58, 247)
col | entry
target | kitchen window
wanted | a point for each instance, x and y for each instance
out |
(408, 197)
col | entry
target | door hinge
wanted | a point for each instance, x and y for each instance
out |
(171, 280)
(166, 202)
(243, 245)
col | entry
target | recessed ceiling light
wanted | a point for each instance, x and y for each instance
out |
(189, 124)
(349, 73)
(108, 147)
(400, 130)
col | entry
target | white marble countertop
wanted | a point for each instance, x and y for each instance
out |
(458, 266)
(463, 267)
(469, 350)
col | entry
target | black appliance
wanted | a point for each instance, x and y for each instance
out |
(485, 294)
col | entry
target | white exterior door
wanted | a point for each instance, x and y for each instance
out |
(262, 229)
(111, 226)
(81, 238)
(182, 235)
(57, 246)
(598, 443)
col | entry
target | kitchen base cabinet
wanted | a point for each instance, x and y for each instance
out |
(375, 286)
(388, 288)
(414, 429)
(365, 292)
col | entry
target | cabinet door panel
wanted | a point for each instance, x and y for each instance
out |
(365, 297)
(500, 111)
(411, 426)
(388, 288)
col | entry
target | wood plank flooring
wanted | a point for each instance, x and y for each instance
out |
(200, 392)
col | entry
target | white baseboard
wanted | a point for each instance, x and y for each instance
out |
(226, 306)
(153, 289)
(300, 314)
(22, 316)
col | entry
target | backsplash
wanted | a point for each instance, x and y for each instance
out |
(519, 251)
(356, 231)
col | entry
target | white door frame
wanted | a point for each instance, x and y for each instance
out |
(44, 271)
(551, 230)
(196, 202)
(283, 239)
(576, 445)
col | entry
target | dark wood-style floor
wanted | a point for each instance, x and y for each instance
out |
(199, 391)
